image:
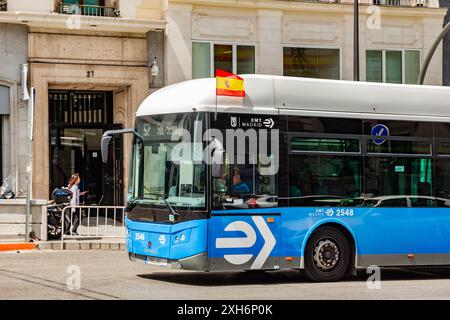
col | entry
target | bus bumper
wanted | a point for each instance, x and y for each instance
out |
(181, 245)
(196, 262)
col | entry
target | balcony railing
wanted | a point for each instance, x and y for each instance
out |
(388, 3)
(3, 5)
(88, 10)
(396, 3)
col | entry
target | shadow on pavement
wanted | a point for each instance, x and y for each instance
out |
(227, 278)
(291, 276)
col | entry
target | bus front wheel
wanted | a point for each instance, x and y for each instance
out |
(327, 255)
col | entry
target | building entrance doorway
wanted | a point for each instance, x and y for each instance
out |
(77, 123)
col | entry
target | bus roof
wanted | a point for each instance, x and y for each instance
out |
(305, 96)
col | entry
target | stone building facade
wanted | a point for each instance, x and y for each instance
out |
(89, 65)
(394, 38)
(13, 110)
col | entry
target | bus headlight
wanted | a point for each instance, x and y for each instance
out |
(181, 237)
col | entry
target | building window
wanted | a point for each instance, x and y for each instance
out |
(311, 63)
(393, 66)
(208, 56)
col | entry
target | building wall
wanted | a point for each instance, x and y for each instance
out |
(61, 49)
(62, 61)
(274, 24)
(14, 53)
(44, 6)
(141, 9)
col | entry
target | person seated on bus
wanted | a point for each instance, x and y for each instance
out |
(294, 188)
(238, 185)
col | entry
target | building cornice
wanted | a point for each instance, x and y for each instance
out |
(316, 7)
(82, 23)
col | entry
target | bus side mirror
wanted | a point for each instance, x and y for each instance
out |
(217, 170)
(106, 139)
(107, 136)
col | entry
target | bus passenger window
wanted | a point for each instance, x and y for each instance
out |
(243, 186)
(324, 180)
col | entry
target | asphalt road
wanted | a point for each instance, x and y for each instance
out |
(109, 275)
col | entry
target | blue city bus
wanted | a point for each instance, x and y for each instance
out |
(317, 175)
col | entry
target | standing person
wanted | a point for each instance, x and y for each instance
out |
(74, 221)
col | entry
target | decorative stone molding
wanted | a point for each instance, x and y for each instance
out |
(301, 31)
(223, 27)
(46, 47)
(395, 35)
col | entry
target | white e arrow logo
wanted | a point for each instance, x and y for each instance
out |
(247, 242)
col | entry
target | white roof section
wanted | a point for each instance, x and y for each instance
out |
(305, 96)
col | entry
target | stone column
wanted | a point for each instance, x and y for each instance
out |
(14, 53)
(431, 29)
(347, 49)
(178, 43)
(270, 49)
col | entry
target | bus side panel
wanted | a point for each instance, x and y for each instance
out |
(383, 236)
(377, 232)
(244, 240)
(388, 235)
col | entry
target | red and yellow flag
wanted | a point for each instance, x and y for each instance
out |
(229, 84)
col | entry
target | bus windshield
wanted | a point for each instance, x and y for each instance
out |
(160, 170)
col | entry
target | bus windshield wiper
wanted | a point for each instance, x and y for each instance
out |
(171, 209)
(132, 202)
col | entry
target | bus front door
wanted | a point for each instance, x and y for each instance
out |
(244, 241)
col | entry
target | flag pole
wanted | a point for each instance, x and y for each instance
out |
(217, 83)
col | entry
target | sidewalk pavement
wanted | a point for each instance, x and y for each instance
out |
(84, 244)
(75, 244)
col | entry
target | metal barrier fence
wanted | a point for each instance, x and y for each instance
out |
(388, 3)
(81, 222)
(3, 5)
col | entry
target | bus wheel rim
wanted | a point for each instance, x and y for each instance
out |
(326, 254)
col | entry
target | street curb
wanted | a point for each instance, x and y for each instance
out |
(26, 246)
(85, 246)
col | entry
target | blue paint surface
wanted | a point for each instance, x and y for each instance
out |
(376, 231)
(217, 230)
(170, 241)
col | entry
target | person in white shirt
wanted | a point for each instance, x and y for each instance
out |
(75, 201)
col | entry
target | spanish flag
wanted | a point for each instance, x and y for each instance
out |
(229, 84)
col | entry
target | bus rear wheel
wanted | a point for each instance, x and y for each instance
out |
(327, 255)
